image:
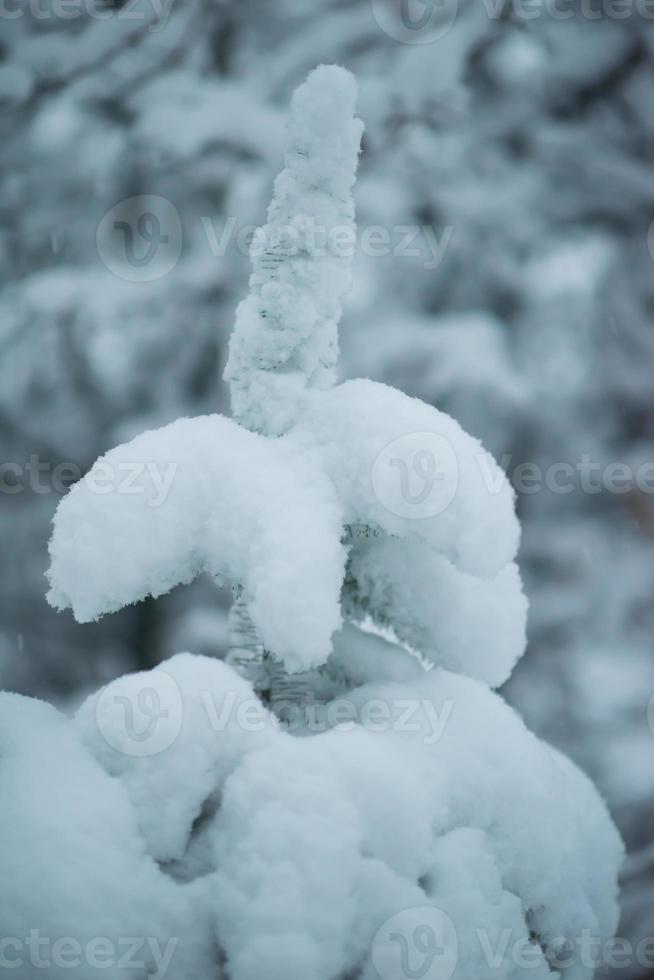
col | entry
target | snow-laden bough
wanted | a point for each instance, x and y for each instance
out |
(277, 500)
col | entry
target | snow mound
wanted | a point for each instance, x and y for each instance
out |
(320, 841)
(171, 772)
(450, 807)
(77, 881)
(432, 806)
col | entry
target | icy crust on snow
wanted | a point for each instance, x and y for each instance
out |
(285, 338)
(205, 494)
(306, 845)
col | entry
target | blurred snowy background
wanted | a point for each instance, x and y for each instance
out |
(508, 163)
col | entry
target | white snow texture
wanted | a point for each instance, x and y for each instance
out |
(263, 853)
(277, 504)
(286, 333)
(269, 514)
(259, 853)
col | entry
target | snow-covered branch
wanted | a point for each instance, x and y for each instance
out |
(286, 334)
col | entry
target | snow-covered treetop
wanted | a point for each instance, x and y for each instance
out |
(286, 333)
(320, 503)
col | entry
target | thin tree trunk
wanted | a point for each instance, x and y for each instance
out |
(246, 653)
(286, 694)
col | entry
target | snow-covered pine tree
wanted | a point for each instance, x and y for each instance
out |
(291, 855)
(274, 507)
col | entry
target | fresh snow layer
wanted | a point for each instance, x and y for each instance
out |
(206, 494)
(286, 333)
(236, 505)
(75, 867)
(270, 515)
(285, 856)
(195, 692)
(279, 500)
(470, 625)
(374, 436)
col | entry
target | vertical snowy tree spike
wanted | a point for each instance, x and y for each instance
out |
(286, 334)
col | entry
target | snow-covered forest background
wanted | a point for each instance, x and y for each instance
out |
(504, 272)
